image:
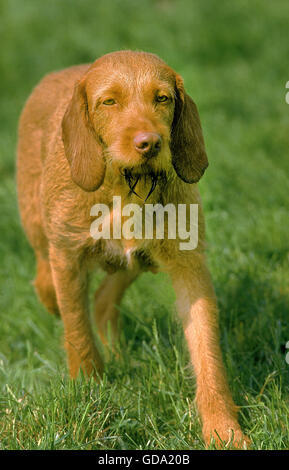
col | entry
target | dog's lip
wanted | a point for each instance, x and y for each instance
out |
(142, 169)
(144, 175)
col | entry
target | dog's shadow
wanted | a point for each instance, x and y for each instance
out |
(254, 332)
(253, 323)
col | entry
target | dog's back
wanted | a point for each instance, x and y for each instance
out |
(40, 120)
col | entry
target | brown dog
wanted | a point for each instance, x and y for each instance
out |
(123, 126)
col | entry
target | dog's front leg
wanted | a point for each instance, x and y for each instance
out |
(197, 308)
(71, 285)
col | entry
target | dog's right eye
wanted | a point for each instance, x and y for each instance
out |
(109, 102)
(162, 98)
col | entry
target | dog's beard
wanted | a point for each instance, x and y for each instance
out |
(132, 178)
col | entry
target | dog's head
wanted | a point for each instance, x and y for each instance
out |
(131, 110)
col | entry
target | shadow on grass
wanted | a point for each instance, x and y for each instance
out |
(254, 330)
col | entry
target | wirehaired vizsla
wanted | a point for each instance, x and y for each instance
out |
(123, 126)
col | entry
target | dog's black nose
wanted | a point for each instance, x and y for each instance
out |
(148, 144)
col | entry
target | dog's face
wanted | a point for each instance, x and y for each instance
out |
(131, 110)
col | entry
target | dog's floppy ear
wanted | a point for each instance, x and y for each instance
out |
(187, 143)
(82, 147)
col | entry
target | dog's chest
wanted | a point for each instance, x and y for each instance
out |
(113, 255)
(117, 238)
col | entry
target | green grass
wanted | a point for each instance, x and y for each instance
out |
(234, 59)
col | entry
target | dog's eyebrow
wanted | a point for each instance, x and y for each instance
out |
(166, 89)
(113, 89)
(119, 85)
(163, 86)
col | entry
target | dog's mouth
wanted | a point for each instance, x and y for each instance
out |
(132, 177)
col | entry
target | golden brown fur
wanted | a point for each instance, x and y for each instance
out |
(74, 146)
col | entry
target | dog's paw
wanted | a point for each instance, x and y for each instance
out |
(226, 437)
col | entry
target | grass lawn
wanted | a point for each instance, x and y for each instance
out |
(234, 60)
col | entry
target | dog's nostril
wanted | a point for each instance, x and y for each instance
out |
(147, 143)
(158, 144)
(143, 145)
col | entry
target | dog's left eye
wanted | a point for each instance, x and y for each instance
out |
(162, 98)
(109, 101)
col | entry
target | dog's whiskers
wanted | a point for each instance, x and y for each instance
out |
(132, 181)
(153, 186)
(134, 185)
(129, 180)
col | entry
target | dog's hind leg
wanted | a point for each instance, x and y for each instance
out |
(107, 299)
(44, 285)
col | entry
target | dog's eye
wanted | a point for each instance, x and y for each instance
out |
(109, 102)
(162, 98)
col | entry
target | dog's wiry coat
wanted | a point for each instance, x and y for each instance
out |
(75, 151)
